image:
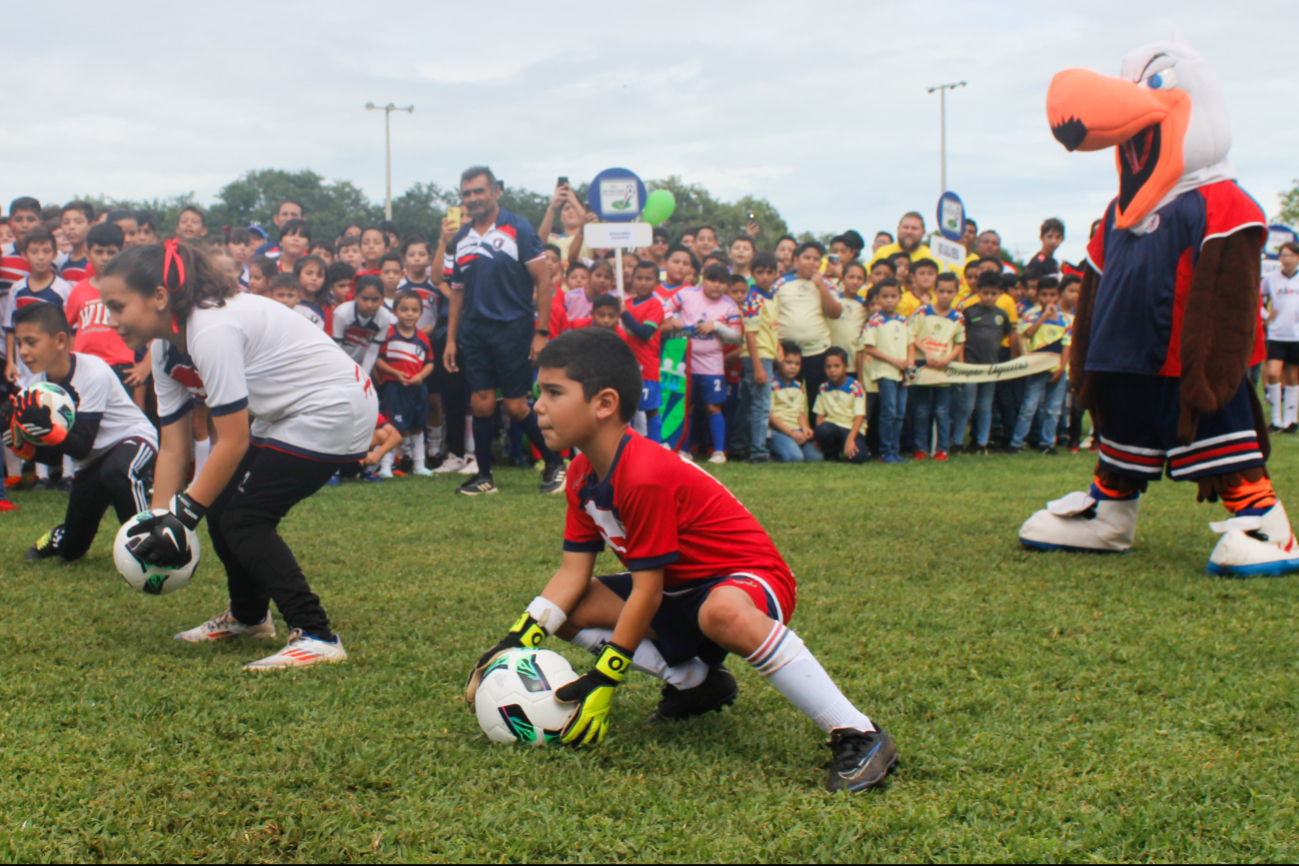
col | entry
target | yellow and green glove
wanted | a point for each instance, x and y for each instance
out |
(526, 633)
(593, 694)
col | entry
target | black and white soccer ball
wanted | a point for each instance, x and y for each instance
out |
(151, 579)
(516, 700)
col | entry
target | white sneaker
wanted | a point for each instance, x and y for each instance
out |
(451, 464)
(226, 627)
(1258, 546)
(717, 457)
(300, 652)
(1081, 523)
(470, 467)
(385, 472)
(422, 472)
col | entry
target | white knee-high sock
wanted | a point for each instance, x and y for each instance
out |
(1290, 398)
(69, 469)
(638, 422)
(42, 471)
(202, 448)
(417, 454)
(13, 463)
(786, 663)
(386, 461)
(1274, 400)
(433, 435)
(647, 659)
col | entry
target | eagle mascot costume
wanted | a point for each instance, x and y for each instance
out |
(1168, 320)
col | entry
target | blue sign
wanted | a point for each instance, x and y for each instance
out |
(951, 216)
(617, 195)
(1277, 235)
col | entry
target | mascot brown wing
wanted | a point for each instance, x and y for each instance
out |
(1218, 327)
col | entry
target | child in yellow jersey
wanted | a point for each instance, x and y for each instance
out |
(1045, 330)
(841, 411)
(938, 337)
(890, 352)
(924, 276)
(759, 313)
(845, 331)
(791, 434)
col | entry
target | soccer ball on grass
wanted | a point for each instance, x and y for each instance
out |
(516, 700)
(151, 579)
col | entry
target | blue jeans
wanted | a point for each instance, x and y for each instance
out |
(1039, 391)
(893, 406)
(932, 404)
(786, 450)
(754, 409)
(972, 400)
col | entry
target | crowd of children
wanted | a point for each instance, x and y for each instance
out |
(790, 354)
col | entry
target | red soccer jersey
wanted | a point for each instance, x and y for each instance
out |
(657, 509)
(89, 319)
(559, 322)
(405, 354)
(13, 267)
(648, 311)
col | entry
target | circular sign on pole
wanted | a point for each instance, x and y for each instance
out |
(1277, 235)
(617, 195)
(951, 216)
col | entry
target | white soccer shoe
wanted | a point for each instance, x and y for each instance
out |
(1080, 522)
(300, 652)
(422, 472)
(1259, 546)
(226, 627)
(717, 457)
(471, 466)
(451, 464)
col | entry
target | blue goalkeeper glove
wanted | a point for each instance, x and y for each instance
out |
(593, 694)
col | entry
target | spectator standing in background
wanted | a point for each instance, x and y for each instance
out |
(500, 317)
(288, 210)
(911, 240)
(1052, 235)
(805, 306)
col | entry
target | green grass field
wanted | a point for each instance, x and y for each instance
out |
(1047, 707)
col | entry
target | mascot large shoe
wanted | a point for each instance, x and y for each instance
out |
(1168, 318)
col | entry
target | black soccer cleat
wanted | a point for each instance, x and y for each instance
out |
(861, 759)
(46, 546)
(552, 480)
(718, 690)
(479, 485)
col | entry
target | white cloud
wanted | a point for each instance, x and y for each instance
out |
(820, 108)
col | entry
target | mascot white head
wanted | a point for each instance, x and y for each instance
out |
(1166, 115)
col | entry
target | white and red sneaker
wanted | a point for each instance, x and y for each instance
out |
(226, 627)
(300, 652)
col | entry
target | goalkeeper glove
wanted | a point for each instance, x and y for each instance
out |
(35, 419)
(593, 694)
(11, 434)
(525, 633)
(167, 544)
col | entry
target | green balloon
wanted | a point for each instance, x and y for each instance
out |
(659, 206)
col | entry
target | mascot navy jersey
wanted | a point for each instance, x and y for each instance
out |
(1137, 320)
(657, 509)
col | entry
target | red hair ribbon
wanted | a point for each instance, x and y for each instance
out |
(171, 253)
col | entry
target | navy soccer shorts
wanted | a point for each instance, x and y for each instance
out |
(651, 396)
(405, 406)
(497, 355)
(677, 620)
(1138, 436)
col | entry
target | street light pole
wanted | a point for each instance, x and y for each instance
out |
(942, 103)
(387, 150)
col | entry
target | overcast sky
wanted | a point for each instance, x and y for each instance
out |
(818, 106)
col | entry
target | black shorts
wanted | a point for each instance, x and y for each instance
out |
(1283, 350)
(405, 406)
(497, 355)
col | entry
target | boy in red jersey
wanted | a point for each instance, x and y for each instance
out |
(640, 328)
(704, 579)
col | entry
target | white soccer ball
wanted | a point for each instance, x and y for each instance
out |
(63, 410)
(151, 579)
(516, 700)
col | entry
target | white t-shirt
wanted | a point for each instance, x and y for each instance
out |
(1283, 291)
(361, 337)
(306, 396)
(99, 394)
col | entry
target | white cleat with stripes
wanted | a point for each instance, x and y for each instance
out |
(1080, 522)
(226, 627)
(1255, 546)
(300, 652)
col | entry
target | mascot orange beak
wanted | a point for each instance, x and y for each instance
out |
(1089, 111)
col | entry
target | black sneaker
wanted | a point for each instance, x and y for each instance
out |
(981, 450)
(861, 760)
(1292, 429)
(1050, 451)
(42, 484)
(759, 458)
(552, 480)
(46, 546)
(1010, 450)
(64, 485)
(478, 485)
(718, 690)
